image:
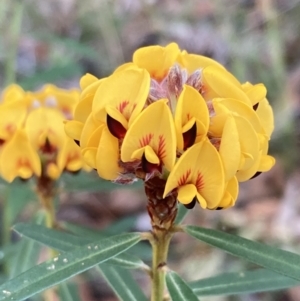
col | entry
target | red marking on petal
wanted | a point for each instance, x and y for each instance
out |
(255, 106)
(189, 137)
(10, 128)
(121, 107)
(115, 127)
(256, 175)
(149, 167)
(161, 152)
(2, 141)
(199, 181)
(183, 178)
(47, 148)
(146, 139)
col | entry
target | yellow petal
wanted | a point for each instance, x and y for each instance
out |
(45, 123)
(73, 129)
(157, 60)
(53, 171)
(193, 62)
(13, 93)
(90, 126)
(69, 156)
(249, 142)
(191, 105)
(246, 174)
(95, 136)
(12, 116)
(92, 88)
(220, 83)
(242, 109)
(186, 193)
(18, 158)
(230, 149)
(89, 155)
(84, 108)
(230, 195)
(87, 80)
(107, 158)
(256, 93)
(126, 91)
(265, 114)
(266, 163)
(154, 127)
(199, 165)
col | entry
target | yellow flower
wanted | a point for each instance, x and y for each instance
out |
(177, 120)
(198, 174)
(32, 136)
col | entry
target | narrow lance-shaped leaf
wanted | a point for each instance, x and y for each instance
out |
(122, 283)
(68, 291)
(260, 280)
(179, 290)
(65, 266)
(62, 241)
(280, 261)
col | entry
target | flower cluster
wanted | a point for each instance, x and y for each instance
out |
(178, 117)
(32, 136)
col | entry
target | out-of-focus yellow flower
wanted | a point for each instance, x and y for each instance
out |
(176, 117)
(32, 136)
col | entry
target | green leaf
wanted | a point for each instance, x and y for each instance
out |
(280, 261)
(65, 266)
(122, 283)
(181, 214)
(25, 257)
(68, 291)
(19, 194)
(178, 288)
(260, 280)
(66, 242)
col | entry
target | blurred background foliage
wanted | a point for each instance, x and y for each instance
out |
(57, 41)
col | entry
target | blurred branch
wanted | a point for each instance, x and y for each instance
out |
(12, 42)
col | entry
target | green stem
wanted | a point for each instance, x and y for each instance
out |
(160, 246)
(13, 40)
